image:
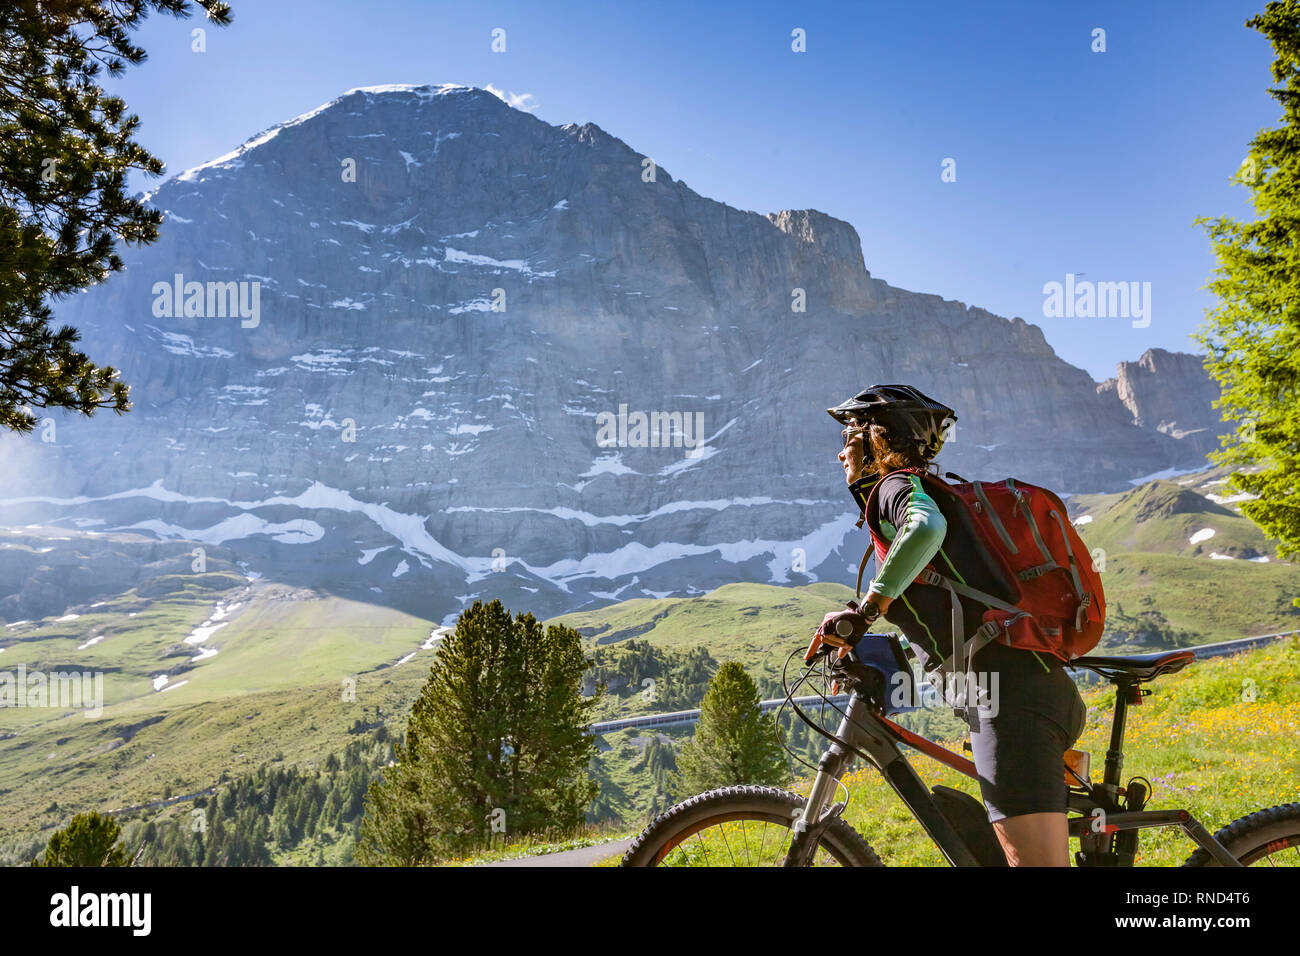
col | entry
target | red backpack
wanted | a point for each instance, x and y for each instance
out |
(1059, 606)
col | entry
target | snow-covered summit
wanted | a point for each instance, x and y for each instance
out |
(234, 158)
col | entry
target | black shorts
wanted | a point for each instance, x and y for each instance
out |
(1019, 751)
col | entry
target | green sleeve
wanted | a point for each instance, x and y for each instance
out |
(913, 547)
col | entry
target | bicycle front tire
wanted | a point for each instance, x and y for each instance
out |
(740, 826)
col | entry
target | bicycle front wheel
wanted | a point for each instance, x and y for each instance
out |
(1266, 837)
(741, 826)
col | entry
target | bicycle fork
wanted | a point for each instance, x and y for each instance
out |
(817, 813)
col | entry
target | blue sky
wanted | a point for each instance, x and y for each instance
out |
(1066, 160)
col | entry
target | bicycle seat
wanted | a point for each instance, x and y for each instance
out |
(1139, 668)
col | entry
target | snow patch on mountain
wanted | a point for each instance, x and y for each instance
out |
(608, 465)
(178, 344)
(516, 265)
(297, 531)
(1167, 474)
(635, 557)
(816, 547)
(621, 520)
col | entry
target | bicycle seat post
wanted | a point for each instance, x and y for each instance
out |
(1125, 692)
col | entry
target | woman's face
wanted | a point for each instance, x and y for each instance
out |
(851, 455)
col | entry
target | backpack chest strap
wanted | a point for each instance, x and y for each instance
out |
(934, 578)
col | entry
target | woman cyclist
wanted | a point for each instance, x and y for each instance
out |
(1020, 743)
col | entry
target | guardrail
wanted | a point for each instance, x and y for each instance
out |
(166, 801)
(687, 718)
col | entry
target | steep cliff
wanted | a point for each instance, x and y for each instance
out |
(1172, 393)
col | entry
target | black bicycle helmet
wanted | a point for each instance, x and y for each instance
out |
(901, 407)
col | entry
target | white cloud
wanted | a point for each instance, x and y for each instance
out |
(520, 101)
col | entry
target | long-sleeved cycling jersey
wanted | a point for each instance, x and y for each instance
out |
(913, 543)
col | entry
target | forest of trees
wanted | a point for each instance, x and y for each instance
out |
(677, 679)
(268, 816)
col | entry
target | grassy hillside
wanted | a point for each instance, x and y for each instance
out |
(130, 639)
(756, 624)
(751, 613)
(71, 764)
(266, 636)
(1182, 565)
(1226, 600)
(1166, 517)
(276, 690)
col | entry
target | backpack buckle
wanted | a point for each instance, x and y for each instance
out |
(1081, 615)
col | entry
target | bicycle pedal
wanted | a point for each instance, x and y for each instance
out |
(965, 745)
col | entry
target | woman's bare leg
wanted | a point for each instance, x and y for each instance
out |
(1035, 839)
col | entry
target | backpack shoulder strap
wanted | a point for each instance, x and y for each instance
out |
(871, 510)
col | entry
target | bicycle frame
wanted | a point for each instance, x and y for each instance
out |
(863, 728)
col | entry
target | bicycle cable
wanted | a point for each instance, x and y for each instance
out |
(789, 699)
(825, 702)
(834, 738)
(789, 693)
(1150, 787)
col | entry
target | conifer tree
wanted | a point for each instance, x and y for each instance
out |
(90, 839)
(734, 741)
(1253, 335)
(497, 736)
(66, 149)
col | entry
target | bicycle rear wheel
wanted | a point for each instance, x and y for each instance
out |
(1268, 837)
(740, 826)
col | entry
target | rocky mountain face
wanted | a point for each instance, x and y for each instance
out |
(1171, 393)
(417, 346)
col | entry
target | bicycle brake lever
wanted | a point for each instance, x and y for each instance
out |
(822, 646)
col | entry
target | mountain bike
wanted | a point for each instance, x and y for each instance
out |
(766, 826)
